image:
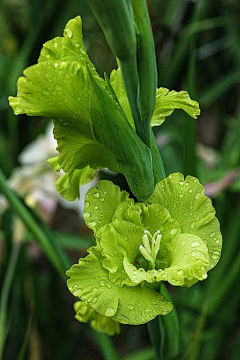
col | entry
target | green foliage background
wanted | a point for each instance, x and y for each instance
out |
(198, 50)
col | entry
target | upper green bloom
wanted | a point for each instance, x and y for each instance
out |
(174, 236)
(60, 86)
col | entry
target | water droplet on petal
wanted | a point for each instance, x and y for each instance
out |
(92, 223)
(195, 243)
(102, 283)
(96, 195)
(123, 319)
(69, 33)
(212, 234)
(94, 299)
(109, 286)
(55, 44)
(180, 182)
(180, 272)
(197, 195)
(173, 231)
(190, 191)
(86, 214)
(130, 307)
(192, 225)
(110, 311)
(96, 207)
(57, 87)
(87, 203)
(102, 199)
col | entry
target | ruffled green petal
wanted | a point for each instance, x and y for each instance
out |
(105, 324)
(58, 86)
(69, 186)
(55, 90)
(167, 101)
(117, 83)
(83, 311)
(68, 47)
(128, 305)
(99, 322)
(118, 240)
(54, 163)
(77, 151)
(186, 202)
(189, 260)
(101, 203)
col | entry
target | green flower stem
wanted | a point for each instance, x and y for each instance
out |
(147, 69)
(5, 294)
(158, 167)
(54, 253)
(105, 345)
(155, 335)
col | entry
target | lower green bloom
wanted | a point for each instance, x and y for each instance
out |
(174, 236)
(99, 322)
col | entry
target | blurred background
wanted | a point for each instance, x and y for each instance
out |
(198, 50)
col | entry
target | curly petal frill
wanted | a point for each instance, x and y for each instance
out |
(174, 236)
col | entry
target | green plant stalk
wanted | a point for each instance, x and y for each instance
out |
(105, 345)
(60, 263)
(116, 21)
(147, 69)
(5, 294)
(155, 335)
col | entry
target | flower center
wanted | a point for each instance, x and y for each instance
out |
(150, 247)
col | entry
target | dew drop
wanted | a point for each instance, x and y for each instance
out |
(87, 203)
(123, 319)
(190, 191)
(195, 243)
(192, 225)
(92, 223)
(212, 234)
(197, 195)
(204, 276)
(130, 307)
(217, 241)
(110, 311)
(102, 199)
(55, 44)
(96, 207)
(69, 33)
(96, 195)
(215, 257)
(180, 272)
(180, 182)
(94, 299)
(181, 195)
(86, 214)
(57, 87)
(102, 283)
(109, 286)
(197, 253)
(173, 231)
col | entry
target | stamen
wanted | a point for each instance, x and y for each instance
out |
(151, 246)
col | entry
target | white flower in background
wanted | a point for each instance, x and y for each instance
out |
(35, 180)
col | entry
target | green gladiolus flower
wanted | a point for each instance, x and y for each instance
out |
(64, 85)
(173, 236)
